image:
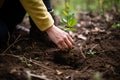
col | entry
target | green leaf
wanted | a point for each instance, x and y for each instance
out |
(67, 5)
(91, 52)
(71, 16)
(64, 20)
(116, 25)
(72, 22)
(71, 29)
(29, 65)
(65, 13)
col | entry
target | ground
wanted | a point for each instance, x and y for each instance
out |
(95, 55)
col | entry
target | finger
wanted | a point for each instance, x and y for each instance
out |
(64, 45)
(59, 46)
(70, 39)
(68, 42)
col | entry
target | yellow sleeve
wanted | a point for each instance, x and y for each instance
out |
(38, 12)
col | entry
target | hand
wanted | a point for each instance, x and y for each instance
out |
(60, 38)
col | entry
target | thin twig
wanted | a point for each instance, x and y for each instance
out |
(72, 77)
(82, 52)
(29, 75)
(32, 61)
(94, 46)
(11, 44)
(37, 63)
(8, 38)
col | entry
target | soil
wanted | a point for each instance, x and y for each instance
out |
(95, 55)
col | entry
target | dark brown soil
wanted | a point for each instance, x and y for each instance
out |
(95, 56)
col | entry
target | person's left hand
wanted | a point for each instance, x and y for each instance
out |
(61, 38)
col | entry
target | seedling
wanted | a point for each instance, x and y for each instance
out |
(24, 60)
(97, 76)
(116, 25)
(91, 52)
(68, 18)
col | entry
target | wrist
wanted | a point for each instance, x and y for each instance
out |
(49, 29)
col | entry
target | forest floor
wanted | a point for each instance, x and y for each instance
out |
(95, 55)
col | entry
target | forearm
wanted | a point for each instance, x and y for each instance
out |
(39, 14)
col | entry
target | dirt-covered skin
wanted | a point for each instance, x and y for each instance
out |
(77, 64)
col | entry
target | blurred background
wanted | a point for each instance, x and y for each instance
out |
(86, 5)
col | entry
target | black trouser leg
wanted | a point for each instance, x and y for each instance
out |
(48, 5)
(11, 14)
(3, 34)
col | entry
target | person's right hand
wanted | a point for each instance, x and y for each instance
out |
(61, 38)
